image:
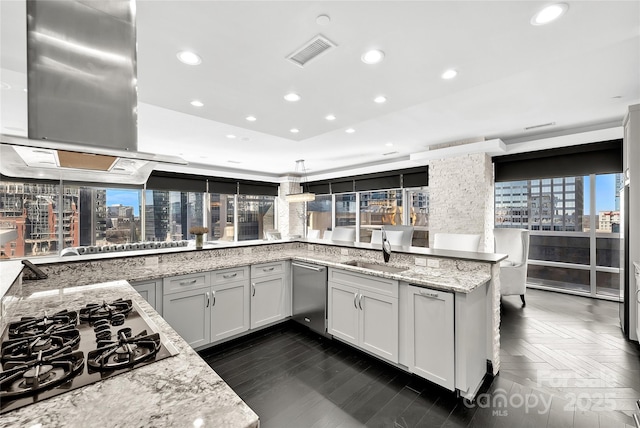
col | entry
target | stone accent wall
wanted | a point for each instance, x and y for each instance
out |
(461, 197)
(461, 200)
(290, 216)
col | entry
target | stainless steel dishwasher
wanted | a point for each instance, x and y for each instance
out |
(310, 296)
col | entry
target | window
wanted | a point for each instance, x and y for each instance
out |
(108, 216)
(565, 226)
(319, 215)
(377, 209)
(345, 209)
(222, 213)
(170, 214)
(32, 209)
(256, 215)
(418, 201)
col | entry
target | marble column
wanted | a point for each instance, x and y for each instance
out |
(290, 215)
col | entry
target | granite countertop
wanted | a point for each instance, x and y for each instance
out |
(456, 280)
(179, 391)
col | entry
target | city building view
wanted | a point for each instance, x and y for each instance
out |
(558, 212)
(93, 216)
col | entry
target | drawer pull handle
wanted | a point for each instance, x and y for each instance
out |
(193, 281)
(214, 298)
(254, 289)
(207, 299)
(355, 300)
(638, 296)
(427, 294)
(360, 301)
(268, 269)
(230, 275)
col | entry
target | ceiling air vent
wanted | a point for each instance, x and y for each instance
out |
(310, 50)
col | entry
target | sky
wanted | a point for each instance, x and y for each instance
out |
(605, 193)
(129, 198)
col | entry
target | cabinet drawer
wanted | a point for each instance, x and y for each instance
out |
(192, 281)
(267, 269)
(229, 275)
(387, 287)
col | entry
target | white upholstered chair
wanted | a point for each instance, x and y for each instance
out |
(456, 241)
(393, 236)
(513, 270)
(407, 234)
(343, 234)
(327, 235)
(313, 234)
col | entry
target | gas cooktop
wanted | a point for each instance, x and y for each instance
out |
(49, 355)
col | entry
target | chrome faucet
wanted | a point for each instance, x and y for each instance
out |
(386, 246)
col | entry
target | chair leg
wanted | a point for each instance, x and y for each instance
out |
(522, 298)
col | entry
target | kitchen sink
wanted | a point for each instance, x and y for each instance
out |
(375, 266)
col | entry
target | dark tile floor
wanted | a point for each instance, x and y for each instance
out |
(564, 364)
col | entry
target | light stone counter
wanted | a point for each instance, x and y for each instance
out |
(179, 391)
(452, 275)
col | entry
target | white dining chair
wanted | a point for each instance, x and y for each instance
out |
(456, 241)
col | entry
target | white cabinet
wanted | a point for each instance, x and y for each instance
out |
(343, 314)
(430, 344)
(365, 318)
(208, 307)
(188, 312)
(270, 295)
(151, 291)
(230, 303)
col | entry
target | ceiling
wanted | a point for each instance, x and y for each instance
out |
(577, 73)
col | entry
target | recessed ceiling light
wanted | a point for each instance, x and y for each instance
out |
(389, 144)
(231, 136)
(380, 99)
(189, 58)
(323, 19)
(549, 14)
(373, 56)
(251, 118)
(330, 117)
(197, 103)
(292, 97)
(449, 74)
(294, 130)
(349, 130)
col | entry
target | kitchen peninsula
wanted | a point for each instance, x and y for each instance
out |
(185, 376)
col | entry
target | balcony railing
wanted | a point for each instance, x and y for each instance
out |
(571, 262)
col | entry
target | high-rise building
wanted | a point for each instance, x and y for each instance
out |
(157, 215)
(546, 204)
(39, 217)
(93, 216)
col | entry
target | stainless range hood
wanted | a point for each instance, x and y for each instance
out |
(82, 96)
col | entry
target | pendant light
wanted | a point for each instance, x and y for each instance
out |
(300, 174)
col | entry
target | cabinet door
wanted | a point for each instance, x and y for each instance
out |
(148, 292)
(431, 340)
(379, 325)
(229, 310)
(189, 314)
(343, 312)
(267, 300)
